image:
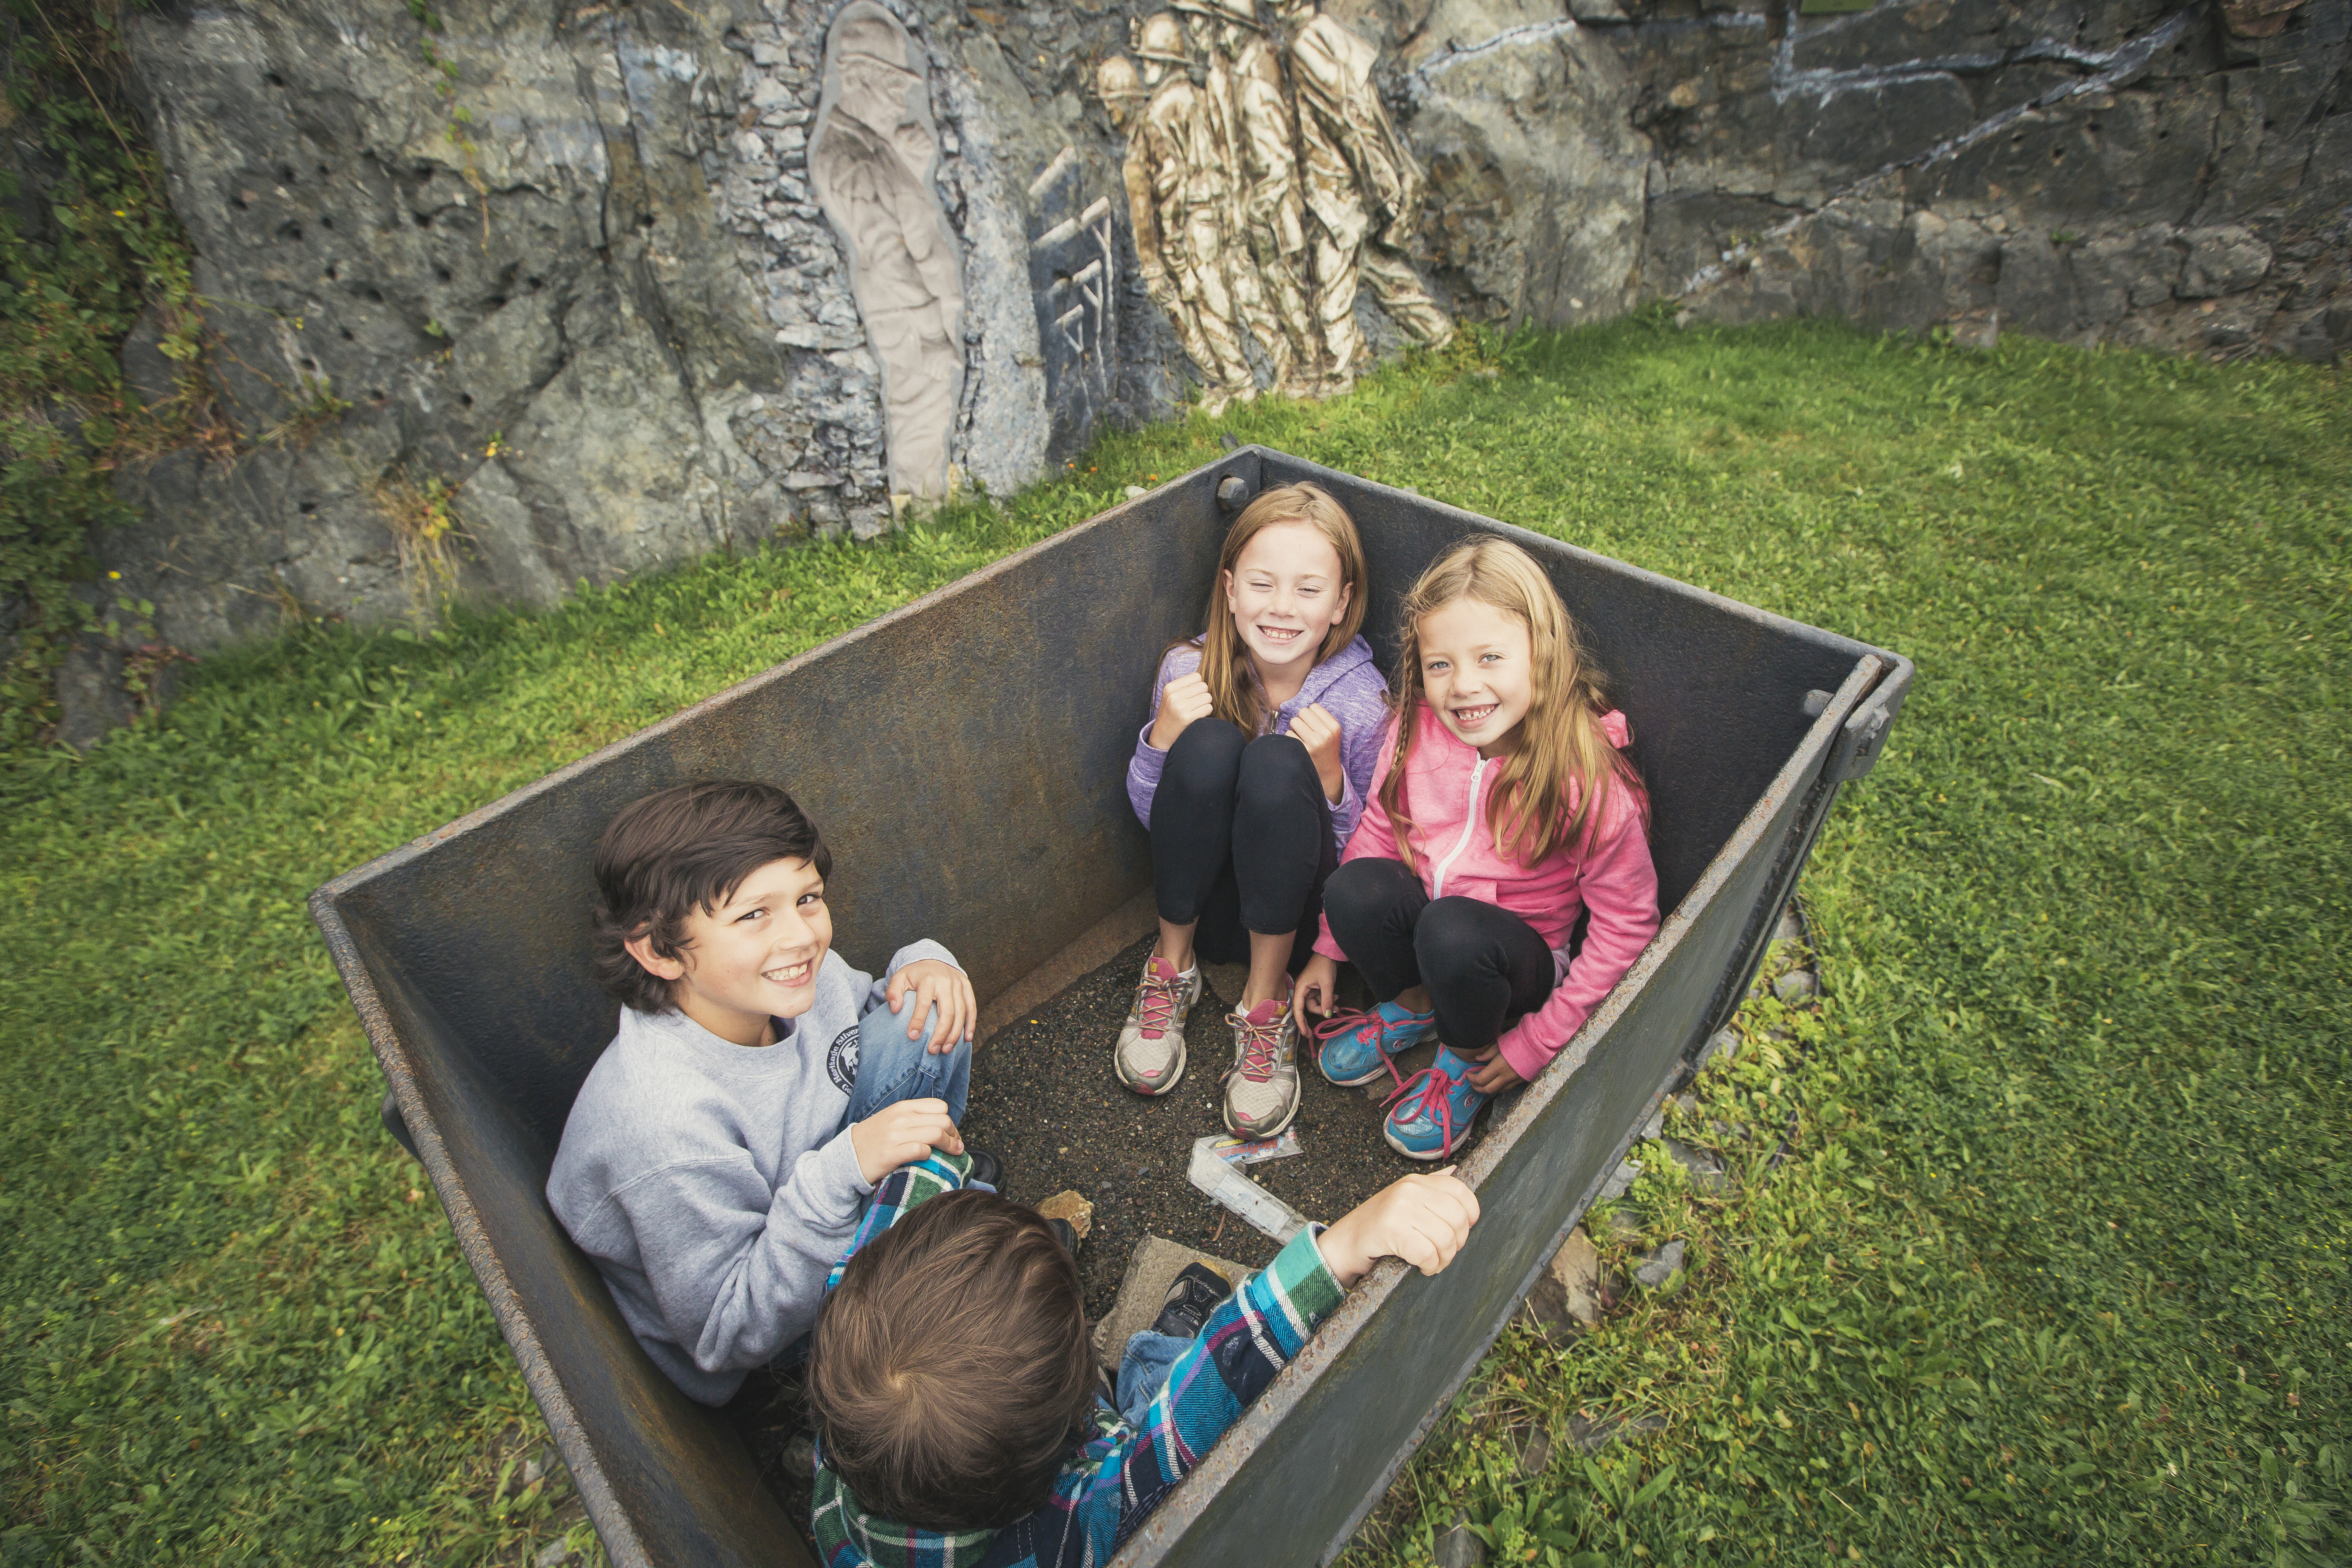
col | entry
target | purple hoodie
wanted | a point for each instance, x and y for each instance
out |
(1351, 689)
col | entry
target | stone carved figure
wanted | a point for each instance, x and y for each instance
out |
(1362, 190)
(1273, 217)
(871, 162)
(1158, 255)
(1203, 27)
(1192, 200)
(1267, 187)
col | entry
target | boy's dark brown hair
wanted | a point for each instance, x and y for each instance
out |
(678, 851)
(950, 1372)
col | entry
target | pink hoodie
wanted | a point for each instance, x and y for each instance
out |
(1447, 783)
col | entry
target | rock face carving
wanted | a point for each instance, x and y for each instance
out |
(618, 325)
(871, 163)
(1074, 273)
(1268, 187)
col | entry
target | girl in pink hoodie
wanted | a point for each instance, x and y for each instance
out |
(1502, 809)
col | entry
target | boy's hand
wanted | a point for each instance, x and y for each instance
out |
(1316, 729)
(900, 1134)
(1318, 988)
(1492, 1075)
(1422, 1219)
(942, 986)
(1181, 700)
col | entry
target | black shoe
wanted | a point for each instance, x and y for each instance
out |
(1190, 1298)
(1066, 1232)
(986, 1169)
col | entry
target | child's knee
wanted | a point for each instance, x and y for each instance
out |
(1276, 771)
(1368, 887)
(1451, 936)
(1208, 750)
(882, 1034)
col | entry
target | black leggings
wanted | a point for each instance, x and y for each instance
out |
(1484, 966)
(1241, 840)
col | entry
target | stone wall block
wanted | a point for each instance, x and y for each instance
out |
(2229, 260)
(1537, 175)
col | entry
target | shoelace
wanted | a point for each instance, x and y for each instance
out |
(1155, 1005)
(1338, 1024)
(1259, 1043)
(1436, 1101)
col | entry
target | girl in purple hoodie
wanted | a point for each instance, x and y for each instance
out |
(1503, 810)
(1251, 774)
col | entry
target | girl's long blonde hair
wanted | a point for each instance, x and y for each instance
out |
(1235, 694)
(1556, 782)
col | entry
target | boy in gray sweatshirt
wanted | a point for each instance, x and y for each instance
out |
(717, 1159)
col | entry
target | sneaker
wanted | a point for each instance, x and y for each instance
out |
(1355, 1048)
(987, 1171)
(1064, 1232)
(1193, 1295)
(1262, 1088)
(1152, 1047)
(1434, 1109)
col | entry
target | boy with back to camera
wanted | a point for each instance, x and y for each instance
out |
(719, 1153)
(954, 1385)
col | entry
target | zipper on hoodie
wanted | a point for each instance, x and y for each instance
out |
(1437, 879)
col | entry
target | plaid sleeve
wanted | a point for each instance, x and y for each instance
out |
(1119, 1477)
(901, 1190)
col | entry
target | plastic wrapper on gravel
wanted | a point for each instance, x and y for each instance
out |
(966, 758)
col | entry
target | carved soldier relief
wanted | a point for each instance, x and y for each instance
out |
(1267, 187)
(871, 163)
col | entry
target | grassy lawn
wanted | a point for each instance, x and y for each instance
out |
(2058, 1272)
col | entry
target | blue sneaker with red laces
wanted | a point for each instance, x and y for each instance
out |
(1434, 1110)
(1356, 1046)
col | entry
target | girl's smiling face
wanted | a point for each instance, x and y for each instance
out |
(1285, 592)
(754, 958)
(1477, 670)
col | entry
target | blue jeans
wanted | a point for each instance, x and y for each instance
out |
(891, 1068)
(1143, 1371)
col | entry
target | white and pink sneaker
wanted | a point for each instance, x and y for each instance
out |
(1151, 1055)
(1261, 1089)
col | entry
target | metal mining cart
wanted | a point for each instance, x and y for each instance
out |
(966, 756)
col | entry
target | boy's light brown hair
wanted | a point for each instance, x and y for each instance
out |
(678, 851)
(950, 1372)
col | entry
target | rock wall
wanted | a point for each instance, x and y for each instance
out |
(517, 297)
(2135, 170)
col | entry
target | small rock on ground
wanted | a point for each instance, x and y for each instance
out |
(1569, 1290)
(1796, 985)
(1722, 1046)
(1593, 1435)
(1071, 1206)
(554, 1555)
(1707, 1172)
(1536, 1459)
(1620, 1181)
(1656, 1269)
(1791, 928)
(1459, 1547)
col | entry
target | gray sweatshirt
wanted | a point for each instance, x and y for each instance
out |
(714, 1183)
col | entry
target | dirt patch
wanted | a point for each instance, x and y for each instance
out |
(1045, 1101)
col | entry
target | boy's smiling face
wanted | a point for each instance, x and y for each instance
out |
(752, 959)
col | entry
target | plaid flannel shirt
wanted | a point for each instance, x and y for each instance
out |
(1111, 1485)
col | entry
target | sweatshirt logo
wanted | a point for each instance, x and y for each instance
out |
(841, 1061)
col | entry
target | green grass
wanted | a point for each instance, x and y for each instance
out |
(2058, 1273)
